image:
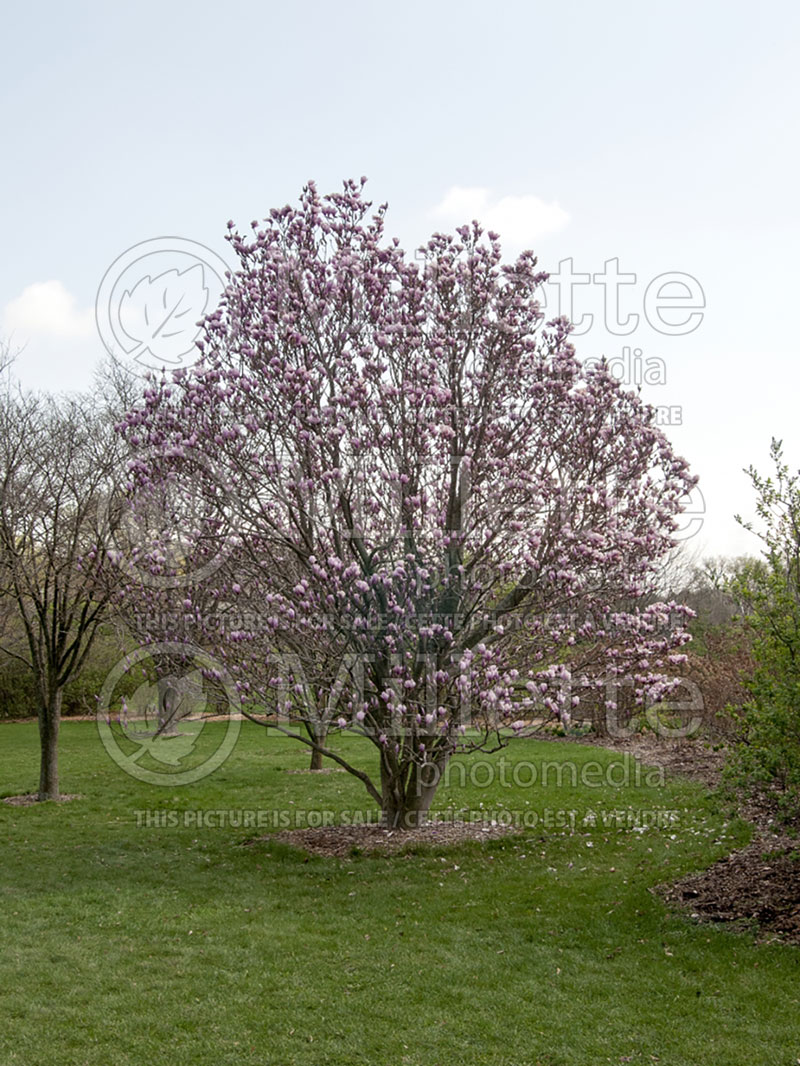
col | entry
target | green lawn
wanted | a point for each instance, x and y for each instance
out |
(123, 944)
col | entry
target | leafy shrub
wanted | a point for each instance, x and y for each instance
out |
(19, 698)
(767, 755)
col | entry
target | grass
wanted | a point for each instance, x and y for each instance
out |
(176, 944)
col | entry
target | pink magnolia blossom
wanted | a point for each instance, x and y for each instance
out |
(442, 525)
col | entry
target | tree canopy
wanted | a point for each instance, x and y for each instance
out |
(418, 479)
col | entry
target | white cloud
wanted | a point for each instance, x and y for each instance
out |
(46, 308)
(463, 204)
(520, 220)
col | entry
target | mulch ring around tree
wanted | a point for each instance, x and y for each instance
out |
(757, 887)
(345, 841)
(319, 770)
(30, 799)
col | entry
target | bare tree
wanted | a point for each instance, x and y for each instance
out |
(58, 460)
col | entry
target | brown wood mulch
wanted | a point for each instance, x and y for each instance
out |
(321, 770)
(757, 888)
(342, 841)
(32, 798)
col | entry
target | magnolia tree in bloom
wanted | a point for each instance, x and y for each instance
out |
(419, 481)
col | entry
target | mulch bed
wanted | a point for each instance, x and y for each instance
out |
(343, 841)
(757, 887)
(32, 798)
(321, 770)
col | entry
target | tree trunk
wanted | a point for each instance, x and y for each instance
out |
(49, 722)
(318, 731)
(600, 720)
(406, 802)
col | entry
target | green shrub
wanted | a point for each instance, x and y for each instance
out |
(767, 755)
(17, 689)
(19, 699)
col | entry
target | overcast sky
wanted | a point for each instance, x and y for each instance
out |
(656, 142)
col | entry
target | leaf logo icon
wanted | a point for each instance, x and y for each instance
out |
(141, 712)
(156, 710)
(139, 737)
(160, 314)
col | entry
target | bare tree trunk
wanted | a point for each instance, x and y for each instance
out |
(406, 803)
(600, 720)
(410, 812)
(392, 796)
(49, 722)
(318, 731)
